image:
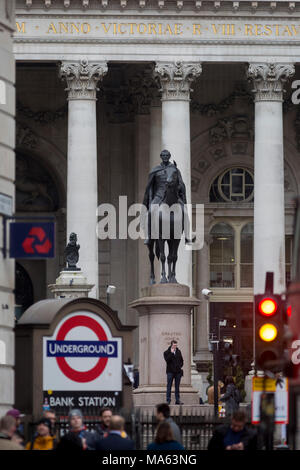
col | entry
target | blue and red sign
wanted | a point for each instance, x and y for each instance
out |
(32, 240)
(81, 355)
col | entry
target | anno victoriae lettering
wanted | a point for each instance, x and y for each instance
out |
(159, 30)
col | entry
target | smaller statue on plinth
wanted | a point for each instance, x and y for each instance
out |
(72, 253)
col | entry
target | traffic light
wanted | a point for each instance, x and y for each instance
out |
(268, 330)
(228, 361)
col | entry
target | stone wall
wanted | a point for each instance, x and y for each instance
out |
(7, 176)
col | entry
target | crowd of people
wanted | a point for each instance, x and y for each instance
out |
(109, 434)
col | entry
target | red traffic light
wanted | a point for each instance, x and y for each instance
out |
(289, 311)
(268, 306)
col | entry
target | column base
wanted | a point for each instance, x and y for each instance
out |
(152, 395)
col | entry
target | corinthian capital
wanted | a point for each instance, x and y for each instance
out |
(82, 78)
(269, 80)
(175, 79)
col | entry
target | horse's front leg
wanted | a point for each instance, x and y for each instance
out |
(174, 260)
(151, 258)
(169, 261)
(163, 279)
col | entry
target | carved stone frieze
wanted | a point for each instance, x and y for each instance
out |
(43, 117)
(232, 127)
(143, 90)
(25, 137)
(176, 78)
(212, 109)
(218, 152)
(269, 80)
(82, 78)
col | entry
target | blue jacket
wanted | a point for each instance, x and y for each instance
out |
(114, 442)
(169, 445)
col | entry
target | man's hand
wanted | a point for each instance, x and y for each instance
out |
(239, 446)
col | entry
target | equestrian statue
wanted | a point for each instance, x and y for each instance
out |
(165, 190)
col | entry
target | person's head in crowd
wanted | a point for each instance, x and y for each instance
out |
(70, 443)
(117, 423)
(50, 414)
(8, 426)
(164, 433)
(238, 421)
(16, 414)
(229, 380)
(105, 416)
(162, 411)
(75, 420)
(43, 427)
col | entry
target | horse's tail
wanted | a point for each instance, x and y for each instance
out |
(157, 250)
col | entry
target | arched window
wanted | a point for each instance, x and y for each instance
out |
(222, 257)
(246, 260)
(233, 185)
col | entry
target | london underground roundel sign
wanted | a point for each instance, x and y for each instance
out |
(82, 354)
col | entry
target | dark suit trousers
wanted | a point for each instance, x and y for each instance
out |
(170, 378)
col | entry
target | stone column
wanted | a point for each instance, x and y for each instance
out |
(82, 200)
(175, 79)
(155, 150)
(7, 188)
(269, 225)
(155, 132)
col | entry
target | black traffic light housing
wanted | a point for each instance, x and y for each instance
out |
(269, 343)
(228, 361)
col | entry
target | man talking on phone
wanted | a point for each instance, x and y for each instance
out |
(174, 360)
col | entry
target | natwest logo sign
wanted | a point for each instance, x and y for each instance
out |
(32, 240)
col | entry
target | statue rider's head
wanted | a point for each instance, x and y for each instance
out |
(165, 156)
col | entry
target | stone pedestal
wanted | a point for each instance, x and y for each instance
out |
(70, 284)
(164, 314)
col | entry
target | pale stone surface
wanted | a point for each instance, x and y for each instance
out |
(269, 234)
(71, 284)
(7, 186)
(165, 314)
(82, 193)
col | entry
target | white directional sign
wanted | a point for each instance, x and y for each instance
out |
(281, 398)
(6, 202)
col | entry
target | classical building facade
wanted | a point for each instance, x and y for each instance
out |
(7, 201)
(103, 86)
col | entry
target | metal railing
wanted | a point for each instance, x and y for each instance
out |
(196, 430)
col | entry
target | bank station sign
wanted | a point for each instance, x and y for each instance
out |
(147, 28)
(82, 363)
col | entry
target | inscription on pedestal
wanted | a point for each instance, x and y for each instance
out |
(168, 336)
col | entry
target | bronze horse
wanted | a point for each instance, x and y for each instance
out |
(175, 226)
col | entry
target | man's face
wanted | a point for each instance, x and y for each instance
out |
(76, 422)
(50, 416)
(165, 156)
(237, 426)
(106, 417)
(42, 430)
(174, 346)
(159, 416)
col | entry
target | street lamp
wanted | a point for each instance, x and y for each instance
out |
(109, 290)
(207, 293)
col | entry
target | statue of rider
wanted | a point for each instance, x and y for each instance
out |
(156, 188)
